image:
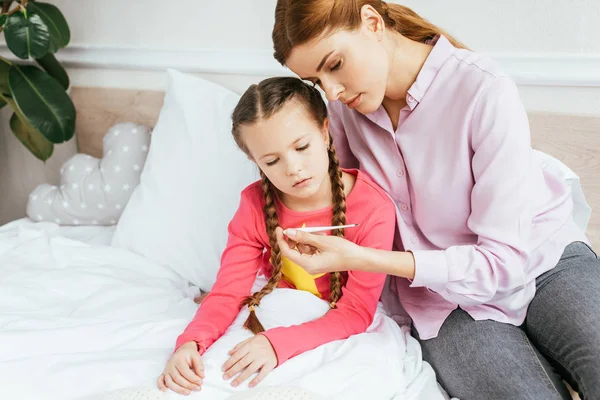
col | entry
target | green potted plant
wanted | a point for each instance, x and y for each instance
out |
(36, 89)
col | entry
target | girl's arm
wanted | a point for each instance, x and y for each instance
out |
(357, 306)
(239, 265)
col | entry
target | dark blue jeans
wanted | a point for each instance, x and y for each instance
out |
(560, 339)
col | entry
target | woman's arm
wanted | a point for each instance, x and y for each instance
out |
(501, 206)
(501, 216)
(331, 253)
(239, 265)
(356, 307)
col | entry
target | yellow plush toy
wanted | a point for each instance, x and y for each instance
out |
(297, 276)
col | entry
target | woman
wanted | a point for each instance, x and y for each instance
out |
(500, 283)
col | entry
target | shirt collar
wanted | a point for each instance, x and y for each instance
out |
(442, 50)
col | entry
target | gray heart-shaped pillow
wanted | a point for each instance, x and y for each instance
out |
(94, 191)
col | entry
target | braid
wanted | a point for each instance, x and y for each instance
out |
(252, 323)
(339, 215)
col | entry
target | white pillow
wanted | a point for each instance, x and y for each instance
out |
(191, 184)
(581, 209)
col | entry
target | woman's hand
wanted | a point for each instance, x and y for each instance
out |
(184, 371)
(251, 355)
(317, 253)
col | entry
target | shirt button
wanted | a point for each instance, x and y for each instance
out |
(400, 173)
(403, 207)
(410, 99)
(414, 239)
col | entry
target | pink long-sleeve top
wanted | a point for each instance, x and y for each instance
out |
(482, 219)
(366, 204)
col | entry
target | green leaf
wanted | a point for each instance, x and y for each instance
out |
(54, 68)
(27, 36)
(43, 102)
(4, 67)
(35, 142)
(60, 34)
(3, 19)
(31, 138)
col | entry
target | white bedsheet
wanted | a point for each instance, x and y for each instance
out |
(78, 320)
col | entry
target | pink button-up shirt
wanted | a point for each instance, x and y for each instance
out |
(482, 219)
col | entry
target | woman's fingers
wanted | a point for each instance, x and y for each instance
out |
(290, 248)
(285, 245)
(304, 237)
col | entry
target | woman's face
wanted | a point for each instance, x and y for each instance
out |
(350, 66)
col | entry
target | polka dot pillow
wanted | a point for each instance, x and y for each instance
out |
(94, 191)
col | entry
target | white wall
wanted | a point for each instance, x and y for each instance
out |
(571, 26)
(551, 46)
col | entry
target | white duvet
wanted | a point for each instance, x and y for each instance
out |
(79, 320)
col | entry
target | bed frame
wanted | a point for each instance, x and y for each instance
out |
(573, 139)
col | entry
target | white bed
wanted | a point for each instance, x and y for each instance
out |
(82, 320)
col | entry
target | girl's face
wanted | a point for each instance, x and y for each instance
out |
(291, 150)
(350, 66)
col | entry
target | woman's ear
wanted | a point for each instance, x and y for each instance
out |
(372, 21)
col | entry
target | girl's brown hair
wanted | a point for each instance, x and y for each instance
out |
(261, 102)
(299, 21)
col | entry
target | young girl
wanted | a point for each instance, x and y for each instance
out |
(282, 125)
(501, 284)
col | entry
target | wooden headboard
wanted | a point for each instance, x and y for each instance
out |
(573, 139)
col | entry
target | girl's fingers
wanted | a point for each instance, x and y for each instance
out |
(238, 346)
(181, 381)
(238, 354)
(238, 366)
(189, 378)
(171, 384)
(249, 370)
(264, 371)
(160, 382)
(198, 365)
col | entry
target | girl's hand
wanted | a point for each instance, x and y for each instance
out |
(251, 355)
(317, 253)
(184, 371)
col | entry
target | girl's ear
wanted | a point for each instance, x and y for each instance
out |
(325, 131)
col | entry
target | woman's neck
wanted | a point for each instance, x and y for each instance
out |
(406, 60)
